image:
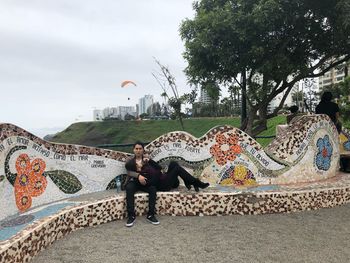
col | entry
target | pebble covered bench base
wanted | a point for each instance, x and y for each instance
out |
(109, 206)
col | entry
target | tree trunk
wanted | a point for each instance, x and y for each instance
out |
(244, 99)
(181, 122)
(255, 124)
(261, 124)
(249, 121)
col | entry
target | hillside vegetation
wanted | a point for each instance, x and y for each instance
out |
(124, 132)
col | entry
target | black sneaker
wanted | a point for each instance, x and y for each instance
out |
(152, 219)
(130, 222)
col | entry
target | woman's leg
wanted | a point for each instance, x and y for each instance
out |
(175, 170)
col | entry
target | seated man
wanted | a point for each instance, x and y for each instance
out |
(138, 182)
(146, 175)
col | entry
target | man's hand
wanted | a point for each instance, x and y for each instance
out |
(142, 179)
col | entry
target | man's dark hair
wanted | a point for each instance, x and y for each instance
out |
(138, 143)
(326, 96)
(294, 109)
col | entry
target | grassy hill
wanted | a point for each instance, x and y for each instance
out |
(123, 132)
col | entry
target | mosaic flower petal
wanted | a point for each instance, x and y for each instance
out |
(329, 147)
(224, 151)
(23, 164)
(38, 184)
(326, 163)
(23, 201)
(220, 138)
(38, 166)
(233, 139)
(320, 143)
(319, 160)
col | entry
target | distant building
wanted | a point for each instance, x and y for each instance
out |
(114, 113)
(137, 110)
(288, 102)
(124, 110)
(97, 115)
(334, 76)
(144, 103)
(204, 97)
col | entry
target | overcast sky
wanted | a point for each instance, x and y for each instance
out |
(61, 59)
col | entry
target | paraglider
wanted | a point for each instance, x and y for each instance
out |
(127, 82)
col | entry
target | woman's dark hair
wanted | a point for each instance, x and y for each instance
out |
(326, 96)
(294, 109)
(138, 143)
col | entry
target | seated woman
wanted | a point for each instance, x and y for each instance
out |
(293, 113)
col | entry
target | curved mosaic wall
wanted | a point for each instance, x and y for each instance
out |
(308, 151)
(344, 142)
(34, 172)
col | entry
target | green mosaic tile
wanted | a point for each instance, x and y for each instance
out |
(11, 177)
(65, 181)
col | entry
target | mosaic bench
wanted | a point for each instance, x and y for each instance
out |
(23, 237)
(245, 177)
(344, 143)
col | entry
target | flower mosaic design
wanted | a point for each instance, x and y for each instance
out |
(346, 145)
(239, 176)
(30, 181)
(344, 139)
(324, 154)
(225, 149)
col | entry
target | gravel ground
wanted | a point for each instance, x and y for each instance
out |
(313, 236)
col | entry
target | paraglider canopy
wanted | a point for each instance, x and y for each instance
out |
(126, 82)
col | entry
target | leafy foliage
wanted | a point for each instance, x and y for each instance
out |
(274, 43)
(343, 96)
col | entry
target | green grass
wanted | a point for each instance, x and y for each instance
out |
(271, 129)
(346, 124)
(123, 132)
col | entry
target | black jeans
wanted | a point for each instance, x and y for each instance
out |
(172, 177)
(131, 188)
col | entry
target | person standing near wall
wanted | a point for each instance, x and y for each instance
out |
(330, 108)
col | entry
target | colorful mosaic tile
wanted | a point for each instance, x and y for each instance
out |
(296, 172)
(58, 220)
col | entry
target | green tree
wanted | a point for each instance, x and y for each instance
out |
(341, 92)
(266, 46)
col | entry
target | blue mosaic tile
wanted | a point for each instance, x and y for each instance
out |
(7, 230)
